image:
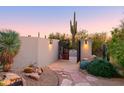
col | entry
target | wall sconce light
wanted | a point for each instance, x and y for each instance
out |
(85, 41)
(51, 41)
(86, 45)
(50, 44)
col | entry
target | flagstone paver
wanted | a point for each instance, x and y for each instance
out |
(66, 82)
(89, 78)
(70, 75)
(82, 84)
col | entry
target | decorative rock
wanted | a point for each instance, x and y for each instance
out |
(11, 79)
(92, 58)
(89, 78)
(66, 82)
(38, 70)
(11, 76)
(34, 76)
(33, 69)
(28, 70)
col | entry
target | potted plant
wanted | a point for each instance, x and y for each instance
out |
(9, 47)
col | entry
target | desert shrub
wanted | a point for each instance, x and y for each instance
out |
(101, 68)
(116, 46)
(9, 47)
(1, 83)
(84, 64)
(98, 40)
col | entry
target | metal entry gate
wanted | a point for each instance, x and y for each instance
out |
(79, 51)
(64, 49)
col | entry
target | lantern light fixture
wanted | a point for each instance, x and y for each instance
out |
(85, 41)
(51, 41)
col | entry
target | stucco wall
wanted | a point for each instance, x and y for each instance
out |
(86, 49)
(36, 51)
(47, 53)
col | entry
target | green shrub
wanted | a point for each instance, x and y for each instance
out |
(101, 68)
(116, 49)
(1, 83)
(84, 64)
(98, 40)
(9, 47)
(116, 45)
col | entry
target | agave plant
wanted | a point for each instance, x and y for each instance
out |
(9, 47)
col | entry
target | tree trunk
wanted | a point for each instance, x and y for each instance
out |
(8, 64)
(7, 67)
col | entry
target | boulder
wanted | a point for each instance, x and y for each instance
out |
(29, 70)
(11, 76)
(33, 69)
(12, 79)
(92, 58)
(34, 76)
(38, 70)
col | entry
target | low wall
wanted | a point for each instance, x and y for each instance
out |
(36, 51)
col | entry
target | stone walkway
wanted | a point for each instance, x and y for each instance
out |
(70, 75)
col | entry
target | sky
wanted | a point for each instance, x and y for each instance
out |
(46, 19)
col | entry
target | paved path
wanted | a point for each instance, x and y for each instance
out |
(70, 75)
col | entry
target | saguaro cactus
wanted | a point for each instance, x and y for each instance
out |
(73, 29)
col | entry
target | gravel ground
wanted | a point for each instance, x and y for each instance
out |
(47, 78)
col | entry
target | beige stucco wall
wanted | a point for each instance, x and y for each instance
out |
(47, 53)
(86, 49)
(36, 51)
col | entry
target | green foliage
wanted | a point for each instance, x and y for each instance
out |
(81, 35)
(105, 52)
(70, 44)
(101, 68)
(84, 64)
(98, 40)
(1, 83)
(58, 36)
(64, 43)
(9, 45)
(116, 45)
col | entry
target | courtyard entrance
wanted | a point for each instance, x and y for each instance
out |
(64, 49)
(65, 53)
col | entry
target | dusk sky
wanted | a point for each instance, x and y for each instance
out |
(31, 20)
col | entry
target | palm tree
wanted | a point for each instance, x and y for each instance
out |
(9, 47)
(73, 29)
